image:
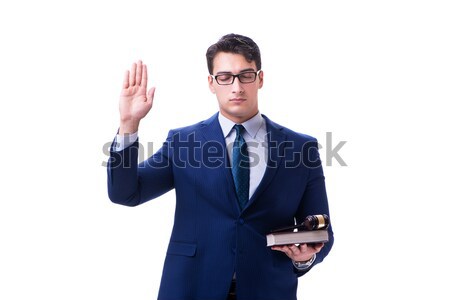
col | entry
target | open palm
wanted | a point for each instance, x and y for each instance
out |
(135, 101)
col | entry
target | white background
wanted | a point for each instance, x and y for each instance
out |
(374, 73)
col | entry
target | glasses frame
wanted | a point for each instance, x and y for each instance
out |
(237, 75)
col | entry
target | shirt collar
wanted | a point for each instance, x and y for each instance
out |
(252, 126)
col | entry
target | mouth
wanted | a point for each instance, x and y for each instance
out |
(237, 100)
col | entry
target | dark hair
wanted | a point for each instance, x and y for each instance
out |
(237, 44)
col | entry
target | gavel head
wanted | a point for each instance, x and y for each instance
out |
(314, 222)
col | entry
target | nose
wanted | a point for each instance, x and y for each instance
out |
(237, 87)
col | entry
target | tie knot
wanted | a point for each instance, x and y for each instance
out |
(239, 129)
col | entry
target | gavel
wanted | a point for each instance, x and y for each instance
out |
(312, 222)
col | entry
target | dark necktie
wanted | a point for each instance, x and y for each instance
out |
(241, 166)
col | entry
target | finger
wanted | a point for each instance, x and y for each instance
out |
(293, 249)
(138, 72)
(318, 246)
(284, 249)
(303, 248)
(299, 250)
(151, 93)
(144, 77)
(125, 80)
(133, 75)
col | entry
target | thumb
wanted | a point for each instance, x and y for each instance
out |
(151, 94)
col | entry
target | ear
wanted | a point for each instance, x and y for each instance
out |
(261, 79)
(211, 84)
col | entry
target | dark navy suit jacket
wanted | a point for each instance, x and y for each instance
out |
(212, 238)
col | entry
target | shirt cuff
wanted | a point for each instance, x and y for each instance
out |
(304, 265)
(124, 141)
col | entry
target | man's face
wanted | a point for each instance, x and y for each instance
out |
(238, 101)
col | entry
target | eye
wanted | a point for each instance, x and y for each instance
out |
(224, 77)
(246, 75)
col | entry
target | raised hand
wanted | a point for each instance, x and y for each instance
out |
(135, 100)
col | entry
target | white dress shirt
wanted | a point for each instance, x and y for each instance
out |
(255, 136)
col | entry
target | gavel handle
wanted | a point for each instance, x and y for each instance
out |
(288, 228)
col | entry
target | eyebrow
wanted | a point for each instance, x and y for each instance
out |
(241, 71)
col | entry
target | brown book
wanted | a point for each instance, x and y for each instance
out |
(299, 237)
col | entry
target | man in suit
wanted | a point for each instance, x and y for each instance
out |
(237, 176)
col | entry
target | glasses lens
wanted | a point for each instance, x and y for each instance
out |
(247, 77)
(224, 79)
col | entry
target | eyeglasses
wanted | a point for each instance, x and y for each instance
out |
(244, 77)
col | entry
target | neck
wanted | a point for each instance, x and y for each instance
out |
(238, 119)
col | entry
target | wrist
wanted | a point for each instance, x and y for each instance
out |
(128, 127)
(306, 261)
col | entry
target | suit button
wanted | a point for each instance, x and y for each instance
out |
(241, 221)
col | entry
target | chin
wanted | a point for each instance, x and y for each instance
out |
(242, 116)
(238, 113)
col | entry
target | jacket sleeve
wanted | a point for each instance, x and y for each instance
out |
(314, 200)
(130, 183)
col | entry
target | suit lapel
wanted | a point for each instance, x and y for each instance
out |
(211, 131)
(275, 142)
